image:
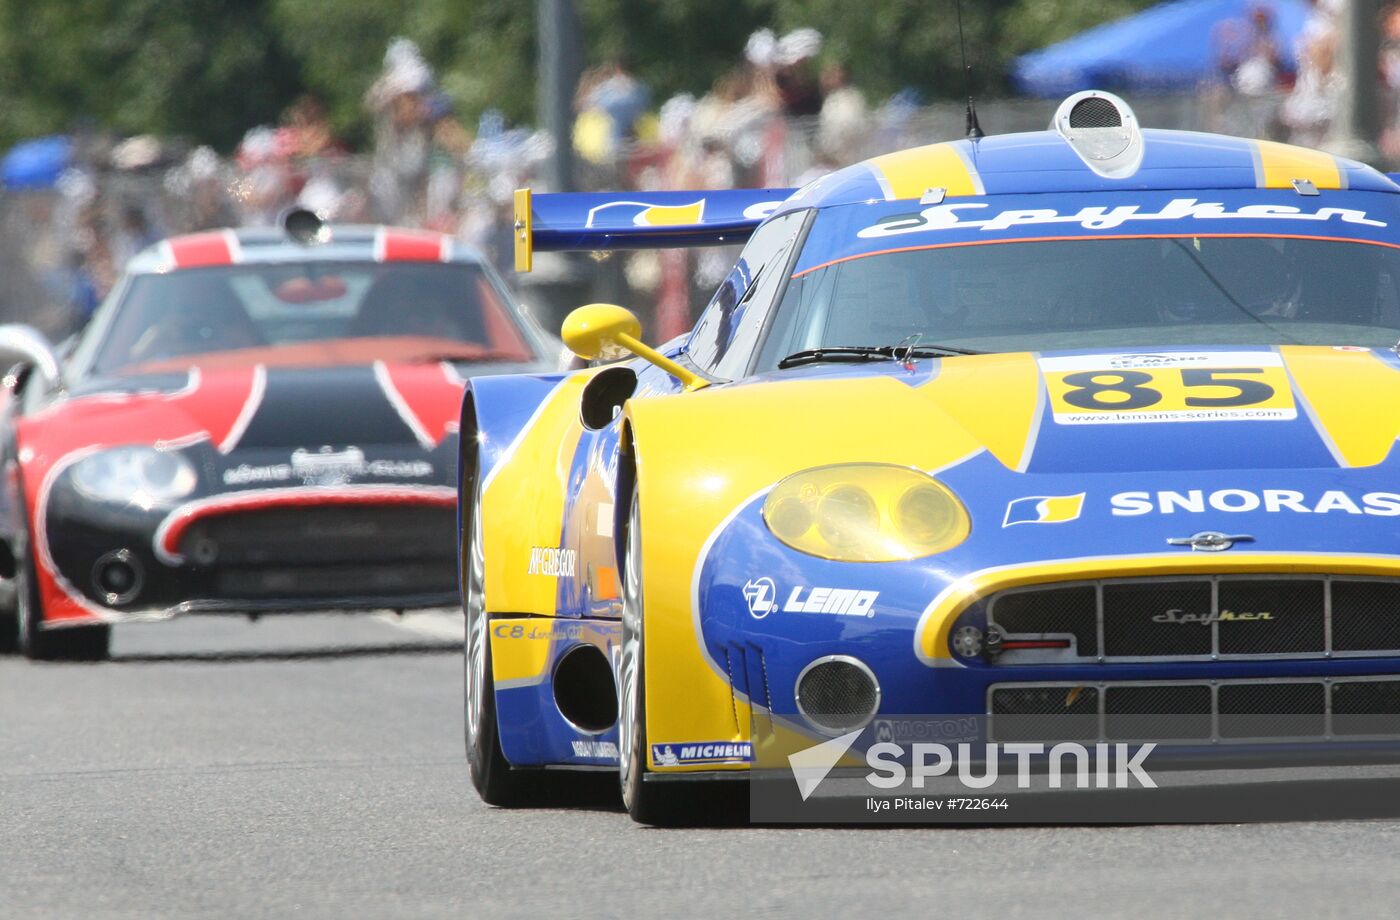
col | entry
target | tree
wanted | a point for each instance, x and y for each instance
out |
(888, 45)
(211, 69)
(203, 68)
(483, 50)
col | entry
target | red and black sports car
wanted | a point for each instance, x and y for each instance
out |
(253, 421)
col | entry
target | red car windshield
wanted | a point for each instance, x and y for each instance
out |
(311, 313)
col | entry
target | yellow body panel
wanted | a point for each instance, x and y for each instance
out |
(687, 495)
(520, 650)
(528, 488)
(1280, 164)
(1344, 388)
(1009, 385)
(910, 173)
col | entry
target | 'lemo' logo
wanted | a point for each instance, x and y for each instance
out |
(762, 596)
(1043, 509)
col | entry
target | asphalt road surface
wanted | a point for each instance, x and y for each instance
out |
(312, 767)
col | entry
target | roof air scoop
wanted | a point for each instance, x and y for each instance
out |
(1103, 131)
(305, 226)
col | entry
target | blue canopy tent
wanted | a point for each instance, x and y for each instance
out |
(1168, 47)
(35, 164)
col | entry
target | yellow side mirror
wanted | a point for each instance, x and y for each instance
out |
(592, 332)
(607, 332)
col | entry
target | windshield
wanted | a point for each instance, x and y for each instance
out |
(1100, 293)
(1122, 271)
(310, 313)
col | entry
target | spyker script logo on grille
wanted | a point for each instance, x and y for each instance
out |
(1205, 619)
(1210, 541)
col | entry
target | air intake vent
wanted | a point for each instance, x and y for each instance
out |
(837, 694)
(1095, 112)
(1102, 131)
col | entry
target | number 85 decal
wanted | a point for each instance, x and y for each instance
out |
(1167, 394)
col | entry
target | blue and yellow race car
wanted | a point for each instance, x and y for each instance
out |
(1077, 421)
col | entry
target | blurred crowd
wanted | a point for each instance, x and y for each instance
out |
(1264, 86)
(779, 117)
(784, 114)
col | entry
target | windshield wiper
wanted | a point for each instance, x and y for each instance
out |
(872, 353)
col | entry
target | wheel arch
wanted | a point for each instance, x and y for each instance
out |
(690, 698)
(514, 431)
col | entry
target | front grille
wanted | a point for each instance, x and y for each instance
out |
(330, 535)
(348, 583)
(1262, 710)
(1131, 612)
(1032, 713)
(1199, 618)
(1158, 711)
(1053, 612)
(1299, 623)
(1365, 615)
(351, 555)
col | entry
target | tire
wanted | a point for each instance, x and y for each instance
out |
(9, 618)
(9, 632)
(74, 643)
(664, 804)
(491, 773)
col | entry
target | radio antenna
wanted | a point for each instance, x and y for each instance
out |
(974, 130)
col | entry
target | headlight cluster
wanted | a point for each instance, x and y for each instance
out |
(865, 512)
(141, 476)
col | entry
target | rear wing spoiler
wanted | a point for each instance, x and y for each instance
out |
(636, 220)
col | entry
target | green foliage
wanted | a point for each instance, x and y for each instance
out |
(482, 50)
(890, 44)
(677, 45)
(210, 69)
(201, 67)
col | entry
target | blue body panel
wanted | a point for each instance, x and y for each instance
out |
(533, 732)
(649, 220)
(789, 642)
(867, 228)
(1040, 162)
(504, 406)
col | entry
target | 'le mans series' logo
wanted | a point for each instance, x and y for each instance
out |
(1043, 509)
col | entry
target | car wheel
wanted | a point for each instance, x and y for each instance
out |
(9, 617)
(671, 802)
(495, 781)
(75, 643)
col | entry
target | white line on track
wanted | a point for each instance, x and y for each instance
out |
(439, 624)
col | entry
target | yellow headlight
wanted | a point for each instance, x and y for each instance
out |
(866, 512)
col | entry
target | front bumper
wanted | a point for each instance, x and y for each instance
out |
(285, 550)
